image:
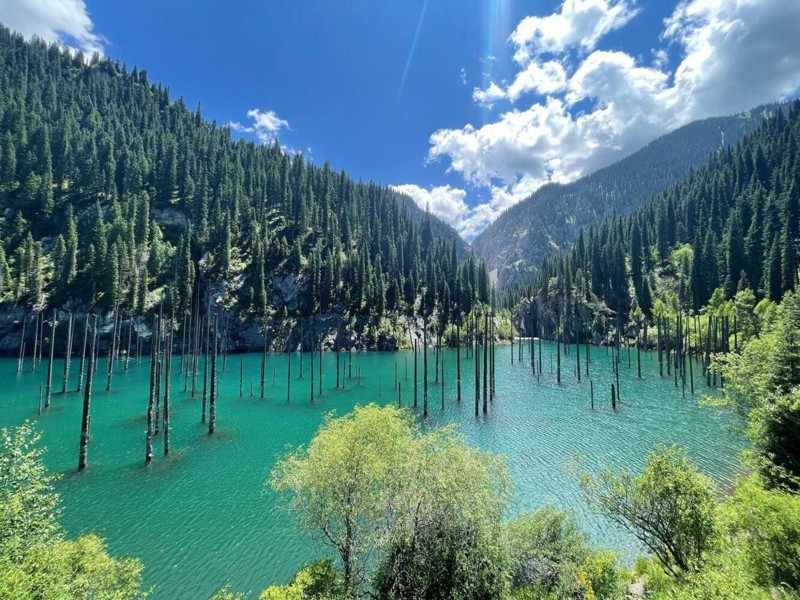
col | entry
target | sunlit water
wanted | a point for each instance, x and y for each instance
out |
(203, 516)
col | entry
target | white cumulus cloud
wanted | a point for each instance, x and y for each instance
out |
(266, 125)
(579, 23)
(64, 21)
(601, 105)
(446, 202)
(488, 96)
(543, 78)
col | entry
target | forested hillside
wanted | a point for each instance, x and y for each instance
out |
(113, 195)
(732, 225)
(549, 221)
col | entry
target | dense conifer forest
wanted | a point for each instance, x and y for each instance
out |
(731, 225)
(515, 244)
(114, 195)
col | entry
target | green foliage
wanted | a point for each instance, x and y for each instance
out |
(292, 591)
(28, 504)
(319, 580)
(546, 549)
(78, 570)
(429, 507)
(550, 557)
(717, 233)
(765, 524)
(670, 507)
(35, 560)
(445, 542)
(141, 192)
(725, 577)
(601, 577)
(762, 385)
(518, 241)
(226, 594)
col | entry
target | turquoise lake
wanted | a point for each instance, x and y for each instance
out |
(203, 517)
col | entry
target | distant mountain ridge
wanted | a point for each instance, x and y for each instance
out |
(514, 245)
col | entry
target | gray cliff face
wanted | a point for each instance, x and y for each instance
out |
(550, 220)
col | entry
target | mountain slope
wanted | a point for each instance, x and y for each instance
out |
(112, 194)
(732, 226)
(515, 244)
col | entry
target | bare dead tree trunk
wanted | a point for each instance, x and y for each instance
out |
(148, 455)
(458, 360)
(289, 367)
(68, 353)
(130, 336)
(212, 408)
(476, 351)
(50, 363)
(424, 367)
(113, 350)
(312, 369)
(205, 369)
(168, 372)
(36, 340)
(415, 373)
(21, 360)
(87, 404)
(83, 352)
(485, 360)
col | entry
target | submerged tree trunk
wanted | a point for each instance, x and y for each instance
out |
(87, 401)
(50, 363)
(424, 367)
(415, 373)
(558, 350)
(485, 361)
(168, 372)
(289, 367)
(312, 371)
(68, 353)
(458, 361)
(264, 359)
(205, 369)
(212, 405)
(148, 455)
(36, 339)
(476, 350)
(577, 344)
(21, 359)
(83, 353)
(112, 351)
(442, 385)
(130, 336)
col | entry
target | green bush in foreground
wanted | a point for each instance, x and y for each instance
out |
(320, 580)
(670, 507)
(35, 559)
(411, 514)
(550, 557)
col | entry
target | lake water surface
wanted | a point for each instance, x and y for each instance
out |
(203, 516)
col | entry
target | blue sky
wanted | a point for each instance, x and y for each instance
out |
(467, 105)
